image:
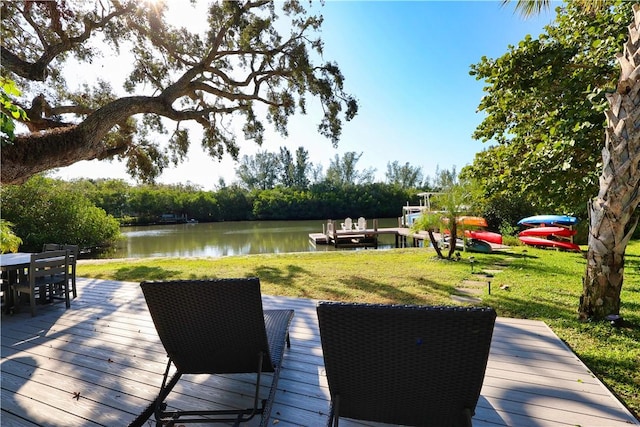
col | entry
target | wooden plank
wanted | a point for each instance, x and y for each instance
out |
(9, 419)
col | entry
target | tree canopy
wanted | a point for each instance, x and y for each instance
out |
(404, 176)
(544, 103)
(242, 68)
(343, 171)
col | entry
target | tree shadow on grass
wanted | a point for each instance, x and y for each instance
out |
(141, 273)
(279, 276)
(359, 289)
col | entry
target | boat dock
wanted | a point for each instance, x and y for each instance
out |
(367, 237)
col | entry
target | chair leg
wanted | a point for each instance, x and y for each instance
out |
(334, 412)
(67, 301)
(73, 284)
(15, 299)
(32, 303)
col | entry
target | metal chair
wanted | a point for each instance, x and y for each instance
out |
(409, 365)
(215, 327)
(48, 278)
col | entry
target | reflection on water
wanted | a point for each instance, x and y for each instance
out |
(227, 238)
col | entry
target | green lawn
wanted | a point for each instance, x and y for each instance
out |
(536, 284)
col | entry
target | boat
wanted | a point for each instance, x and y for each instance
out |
(548, 231)
(564, 220)
(487, 236)
(548, 243)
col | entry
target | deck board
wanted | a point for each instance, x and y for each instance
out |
(106, 349)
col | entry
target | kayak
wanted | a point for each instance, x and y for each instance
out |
(548, 231)
(487, 236)
(473, 245)
(549, 220)
(539, 241)
(472, 221)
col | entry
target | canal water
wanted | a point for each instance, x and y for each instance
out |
(229, 238)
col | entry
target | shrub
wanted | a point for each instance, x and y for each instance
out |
(44, 211)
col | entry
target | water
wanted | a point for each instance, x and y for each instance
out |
(228, 238)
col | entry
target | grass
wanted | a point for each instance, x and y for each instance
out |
(536, 284)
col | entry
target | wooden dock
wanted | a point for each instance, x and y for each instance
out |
(100, 363)
(331, 235)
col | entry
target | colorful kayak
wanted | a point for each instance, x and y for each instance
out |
(487, 236)
(548, 231)
(472, 221)
(549, 220)
(542, 242)
(475, 245)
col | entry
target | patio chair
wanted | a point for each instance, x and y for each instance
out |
(48, 278)
(74, 250)
(216, 327)
(409, 365)
(361, 224)
(347, 224)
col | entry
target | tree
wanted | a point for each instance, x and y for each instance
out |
(613, 216)
(543, 102)
(343, 170)
(259, 172)
(453, 199)
(240, 67)
(405, 176)
(286, 166)
(302, 169)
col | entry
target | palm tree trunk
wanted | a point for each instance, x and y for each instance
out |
(435, 243)
(612, 214)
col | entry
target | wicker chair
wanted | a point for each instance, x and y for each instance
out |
(409, 365)
(216, 327)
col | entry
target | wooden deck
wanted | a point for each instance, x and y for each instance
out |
(100, 363)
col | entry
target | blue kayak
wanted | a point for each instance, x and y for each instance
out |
(549, 220)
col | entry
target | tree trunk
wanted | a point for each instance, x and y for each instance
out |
(434, 243)
(453, 238)
(612, 216)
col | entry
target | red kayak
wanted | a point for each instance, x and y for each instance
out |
(487, 236)
(539, 241)
(548, 231)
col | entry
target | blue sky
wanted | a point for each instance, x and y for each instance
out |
(408, 65)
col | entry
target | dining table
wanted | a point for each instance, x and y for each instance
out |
(14, 266)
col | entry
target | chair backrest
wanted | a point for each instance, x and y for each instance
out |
(51, 247)
(410, 365)
(362, 223)
(348, 224)
(49, 264)
(74, 250)
(210, 326)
